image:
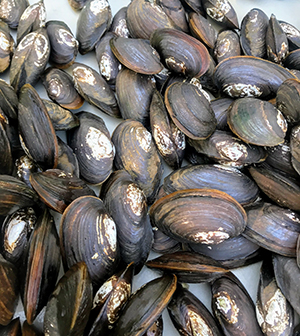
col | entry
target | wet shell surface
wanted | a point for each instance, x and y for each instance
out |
(199, 216)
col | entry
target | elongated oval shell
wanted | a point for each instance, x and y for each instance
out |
(6, 46)
(199, 216)
(11, 11)
(248, 76)
(88, 233)
(227, 45)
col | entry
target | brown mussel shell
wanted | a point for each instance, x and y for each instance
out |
(170, 43)
(253, 33)
(136, 55)
(288, 100)
(62, 119)
(276, 40)
(169, 140)
(227, 45)
(119, 24)
(15, 194)
(257, 122)
(60, 88)
(32, 19)
(270, 296)
(30, 59)
(143, 17)
(137, 154)
(174, 9)
(6, 46)
(77, 4)
(223, 178)
(134, 93)
(248, 76)
(11, 11)
(190, 316)
(163, 243)
(30, 330)
(58, 189)
(89, 234)
(37, 134)
(287, 274)
(63, 318)
(109, 66)
(233, 307)
(190, 110)
(126, 203)
(93, 148)
(145, 306)
(202, 30)
(93, 21)
(9, 291)
(205, 216)
(188, 267)
(280, 189)
(274, 228)
(222, 12)
(64, 46)
(109, 301)
(15, 233)
(42, 263)
(94, 89)
(225, 148)
(12, 329)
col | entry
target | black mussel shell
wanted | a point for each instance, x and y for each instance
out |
(119, 24)
(227, 45)
(11, 11)
(24, 167)
(292, 34)
(220, 107)
(295, 148)
(5, 153)
(6, 47)
(175, 10)
(67, 160)
(9, 100)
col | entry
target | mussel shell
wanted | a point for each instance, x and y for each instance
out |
(292, 60)
(169, 140)
(137, 154)
(205, 216)
(58, 189)
(257, 122)
(143, 17)
(64, 46)
(220, 107)
(226, 148)
(227, 45)
(24, 167)
(77, 4)
(12, 329)
(274, 228)
(41, 264)
(15, 233)
(190, 316)
(109, 66)
(136, 55)
(188, 267)
(62, 119)
(288, 100)
(163, 243)
(174, 9)
(63, 318)
(88, 233)
(37, 134)
(170, 43)
(93, 147)
(126, 203)
(30, 330)
(292, 34)
(119, 24)
(156, 329)
(270, 296)
(245, 76)
(231, 253)
(5, 153)
(287, 274)
(233, 307)
(94, 19)
(67, 160)
(6, 46)
(94, 89)
(276, 40)
(134, 92)
(9, 291)
(194, 5)
(202, 29)
(15, 194)
(145, 306)
(295, 148)
(280, 189)
(33, 18)
(227, 179)
(60, 88)
(190, 110)
(11, 11)
(253, 33)
(8, 100)
(30, 59)
(222, 12)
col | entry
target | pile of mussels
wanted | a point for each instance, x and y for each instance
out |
(227, 101)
